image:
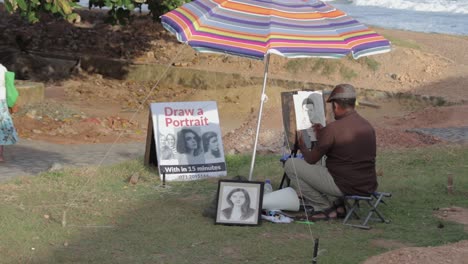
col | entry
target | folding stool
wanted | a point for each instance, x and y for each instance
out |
(354, 209)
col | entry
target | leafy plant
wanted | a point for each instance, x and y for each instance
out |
(119, 10)
(32, 8)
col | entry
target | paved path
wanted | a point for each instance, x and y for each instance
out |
(451, 134)
(32, 157)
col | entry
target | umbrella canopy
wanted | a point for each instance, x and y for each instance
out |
(289, 28)
(258, 28)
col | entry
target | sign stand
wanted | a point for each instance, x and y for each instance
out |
(151, 158)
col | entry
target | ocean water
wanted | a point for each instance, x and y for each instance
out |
(435, 16)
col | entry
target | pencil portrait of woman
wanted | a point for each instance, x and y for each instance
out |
(239, 208)
(169, 149)
(211, 145)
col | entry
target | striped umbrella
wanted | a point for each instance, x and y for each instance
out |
(258, 28)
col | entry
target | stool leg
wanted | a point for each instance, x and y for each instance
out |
(369, 215)
(374, 208)
(372, 202)
(351, 211)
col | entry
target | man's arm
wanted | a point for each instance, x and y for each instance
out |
(310, 156)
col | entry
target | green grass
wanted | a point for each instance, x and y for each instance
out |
(110, 221)
(370, 63)
(402, 42)
(326, 67)
(347, 73)
(295, 65)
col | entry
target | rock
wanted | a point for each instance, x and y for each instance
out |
(134, 179)
(232, 152)
(56, 167)
(181, 64)
(31, 114)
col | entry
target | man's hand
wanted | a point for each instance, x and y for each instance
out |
(317, 127)
(300, 141)
(13, 109)
(310, 156)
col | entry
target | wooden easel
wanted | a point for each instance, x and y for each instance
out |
(290, 129)
(151, 156)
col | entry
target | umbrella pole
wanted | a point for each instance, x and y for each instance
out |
(262, 100)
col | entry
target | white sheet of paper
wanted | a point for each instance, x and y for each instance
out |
(309, 109)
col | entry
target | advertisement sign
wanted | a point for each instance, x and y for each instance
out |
(188, 140)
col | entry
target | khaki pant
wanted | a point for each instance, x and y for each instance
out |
(313, 182)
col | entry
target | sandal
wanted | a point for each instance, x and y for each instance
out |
(340, 212)
(340, 208)
(323, 215)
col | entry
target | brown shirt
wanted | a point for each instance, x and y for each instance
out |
(350, 146)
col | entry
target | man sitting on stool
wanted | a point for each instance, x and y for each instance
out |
(350, 147)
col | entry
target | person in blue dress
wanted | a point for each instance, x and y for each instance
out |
(8, 135)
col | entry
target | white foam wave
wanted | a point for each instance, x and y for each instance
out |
(450, 6)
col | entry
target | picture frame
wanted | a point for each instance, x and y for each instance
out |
(239, 202)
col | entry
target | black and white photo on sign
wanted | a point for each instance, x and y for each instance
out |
(309, 110)
(189, 146)
(238, 203)
(188, 141)
(168, 146)
(211, 145)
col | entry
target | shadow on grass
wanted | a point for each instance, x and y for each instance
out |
(29, 160)
(450, 88)
(54, 49)
(35, 157)
(110, 221)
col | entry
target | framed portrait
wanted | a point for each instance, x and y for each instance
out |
(239, 202)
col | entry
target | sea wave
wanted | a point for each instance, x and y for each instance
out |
(446, 6)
